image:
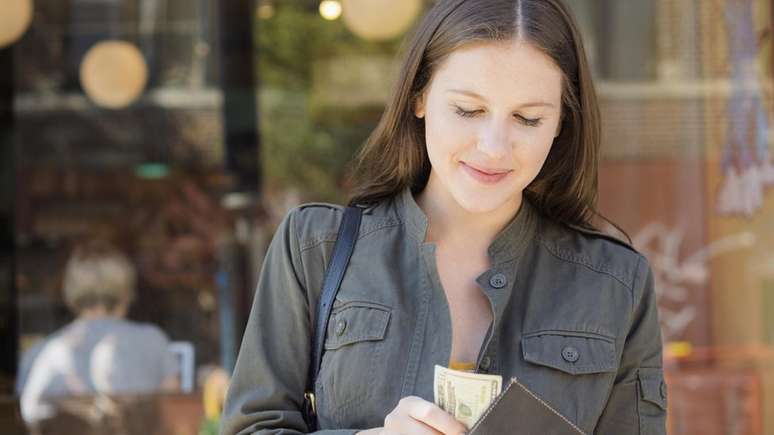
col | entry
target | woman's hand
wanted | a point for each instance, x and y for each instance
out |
(416, 416)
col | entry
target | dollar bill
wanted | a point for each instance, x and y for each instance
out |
(465, 395)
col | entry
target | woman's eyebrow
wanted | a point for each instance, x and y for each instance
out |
(475, 95)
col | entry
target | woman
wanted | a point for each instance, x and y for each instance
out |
(476, 249)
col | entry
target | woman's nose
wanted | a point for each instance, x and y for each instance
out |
(494, 139)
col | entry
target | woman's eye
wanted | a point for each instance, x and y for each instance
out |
(529, 122)
(471, 113)
(467, 113)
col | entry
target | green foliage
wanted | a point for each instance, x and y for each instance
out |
(306, 147)
(295, 36)
(294, 151)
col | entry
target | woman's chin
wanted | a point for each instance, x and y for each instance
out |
(485, 202)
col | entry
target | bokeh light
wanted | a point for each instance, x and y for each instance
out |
(377, 20)
(15, 18)
(330, 9)
(114, 74)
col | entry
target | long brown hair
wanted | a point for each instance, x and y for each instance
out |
(395, 155)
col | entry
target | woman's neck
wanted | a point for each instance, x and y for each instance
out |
(449, 223)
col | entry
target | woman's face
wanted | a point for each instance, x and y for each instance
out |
(492, 111)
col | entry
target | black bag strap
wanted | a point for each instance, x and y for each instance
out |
(342, 251)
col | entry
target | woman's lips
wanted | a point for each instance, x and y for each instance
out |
(484, 177)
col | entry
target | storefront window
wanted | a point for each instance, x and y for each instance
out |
(119, 136)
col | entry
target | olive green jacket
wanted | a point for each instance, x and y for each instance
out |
(574, 319)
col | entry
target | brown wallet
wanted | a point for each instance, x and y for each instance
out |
(519, 411)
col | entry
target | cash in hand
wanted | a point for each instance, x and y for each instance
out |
(465, 395)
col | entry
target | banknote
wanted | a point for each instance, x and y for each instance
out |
(465, 395)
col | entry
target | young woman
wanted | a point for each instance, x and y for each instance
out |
(476, 249)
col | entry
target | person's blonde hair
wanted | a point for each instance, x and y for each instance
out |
(98, 274)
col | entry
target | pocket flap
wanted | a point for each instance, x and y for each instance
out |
(570, 351)
(652, 386)
(356, 321)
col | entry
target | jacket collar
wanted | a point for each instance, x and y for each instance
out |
(510, 243)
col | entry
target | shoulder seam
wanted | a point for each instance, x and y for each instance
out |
(603, 235)
(293, 227)
(584, 261)
(328, 205)
(332, 236)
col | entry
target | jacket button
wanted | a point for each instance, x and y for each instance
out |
(498, 280)
(570, 354)
(486, 362)
(341, 326)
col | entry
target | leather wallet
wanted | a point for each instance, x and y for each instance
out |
(519, 411)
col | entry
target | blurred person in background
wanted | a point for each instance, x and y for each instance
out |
(100, 351)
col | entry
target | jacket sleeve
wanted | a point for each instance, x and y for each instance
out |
(637, 403)
(266, 392)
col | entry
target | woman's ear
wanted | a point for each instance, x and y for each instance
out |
(419, 106)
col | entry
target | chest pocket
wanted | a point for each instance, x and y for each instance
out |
(356, 322)
(571, 370)
(353, 344)
(571, 352)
